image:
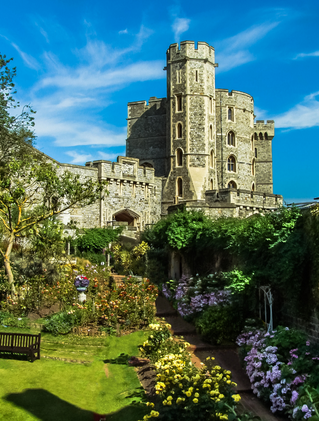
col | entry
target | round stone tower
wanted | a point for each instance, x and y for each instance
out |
(191, 122)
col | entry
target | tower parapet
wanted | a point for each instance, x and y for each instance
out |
(266, 129)
(188, 50)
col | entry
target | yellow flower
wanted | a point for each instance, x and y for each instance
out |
(195, 400)
(236, 398)
(150, 404)
(196, 395)
(188, 393)
(170, 398)
(154, 414)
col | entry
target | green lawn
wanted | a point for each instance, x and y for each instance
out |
(56, 390)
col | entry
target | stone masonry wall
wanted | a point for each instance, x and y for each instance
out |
(146, 133)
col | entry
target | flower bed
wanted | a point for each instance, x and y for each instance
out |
(183, 391)
(283, 368)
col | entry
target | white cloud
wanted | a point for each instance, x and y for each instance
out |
(234, 50)
(109, 156)
(301, 55)
(124, 31)
(79, 158)
(179, 26)
(303, 115)
(29, 61)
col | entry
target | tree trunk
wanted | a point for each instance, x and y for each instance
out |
(7, 264)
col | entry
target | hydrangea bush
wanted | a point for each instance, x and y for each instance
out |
(283, 368)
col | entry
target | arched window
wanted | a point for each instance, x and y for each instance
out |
(232, 185)
(255, 152)
(266, 136)
(179, 130)
(231, 139)
(212, 159)
(253, 187)
(231, 164)
(179, 104)
(179, 187)
(256, 136)
(252, 143)
(261, 136)
(253, 167)
(211, 132)
(179, 157)
(231, 114)
(211, 184)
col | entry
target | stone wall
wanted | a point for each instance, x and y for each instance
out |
(146, 133)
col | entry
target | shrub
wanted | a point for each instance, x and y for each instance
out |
(8, 319)
(219, 323)
(63, 322)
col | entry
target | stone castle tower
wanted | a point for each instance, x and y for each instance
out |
(198, 148)
(203, 140)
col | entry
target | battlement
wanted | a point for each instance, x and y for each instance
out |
(264, 130)
(138, 108)
(235, 99)
(124, 169)
(187, 49)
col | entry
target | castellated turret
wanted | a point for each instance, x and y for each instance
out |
(203, 141)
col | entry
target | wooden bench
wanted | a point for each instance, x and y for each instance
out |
(21, 343)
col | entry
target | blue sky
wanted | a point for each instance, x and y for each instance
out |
(80, 62)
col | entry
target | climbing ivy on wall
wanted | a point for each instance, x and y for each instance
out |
(280, 249)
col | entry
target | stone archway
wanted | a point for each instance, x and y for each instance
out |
(127, 217)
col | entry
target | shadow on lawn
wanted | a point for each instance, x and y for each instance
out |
(47, 407)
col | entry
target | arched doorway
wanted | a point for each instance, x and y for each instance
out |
(126, 217)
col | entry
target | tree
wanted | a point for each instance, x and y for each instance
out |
(32, 191)
(16, 131)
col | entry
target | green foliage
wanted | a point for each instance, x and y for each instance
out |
(94, 240)
(7, 319)
(47, 239)
(237, 281)
(63, 322)
(219, 323)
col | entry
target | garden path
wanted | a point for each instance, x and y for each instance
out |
(225, 356)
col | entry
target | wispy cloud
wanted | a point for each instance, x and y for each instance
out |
(28, 60)
(124, 31)
(235, 50)
(42, 31)
(179, 26)
(302, 55)
(303, 115)
(79, 158)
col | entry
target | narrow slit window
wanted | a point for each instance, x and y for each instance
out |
(255, 152)
(253, 166)
(179, 104)
(179, 157)
(196, 75)
(179, 130)
(231, 114)
(179, 187)
(211, 184)
(178, 76)
(212, 159)
(211, 132)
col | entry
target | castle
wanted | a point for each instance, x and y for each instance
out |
(199, 147)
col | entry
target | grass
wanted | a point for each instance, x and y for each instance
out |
(50, 389)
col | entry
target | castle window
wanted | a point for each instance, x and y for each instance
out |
(179, 130)
(253, 187)
(232, 185)
(252, 143)
(253, 167)
(211, 184)
(178, 76)
(196, 75)
(179, 103)
(211, 132)
(179, 187)
(256, 136)
(179, 157)
(212, 159)
(231, 114)
(255, 152)
(266, 136)
(231, 164)
(260, 136)
(231, 139)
